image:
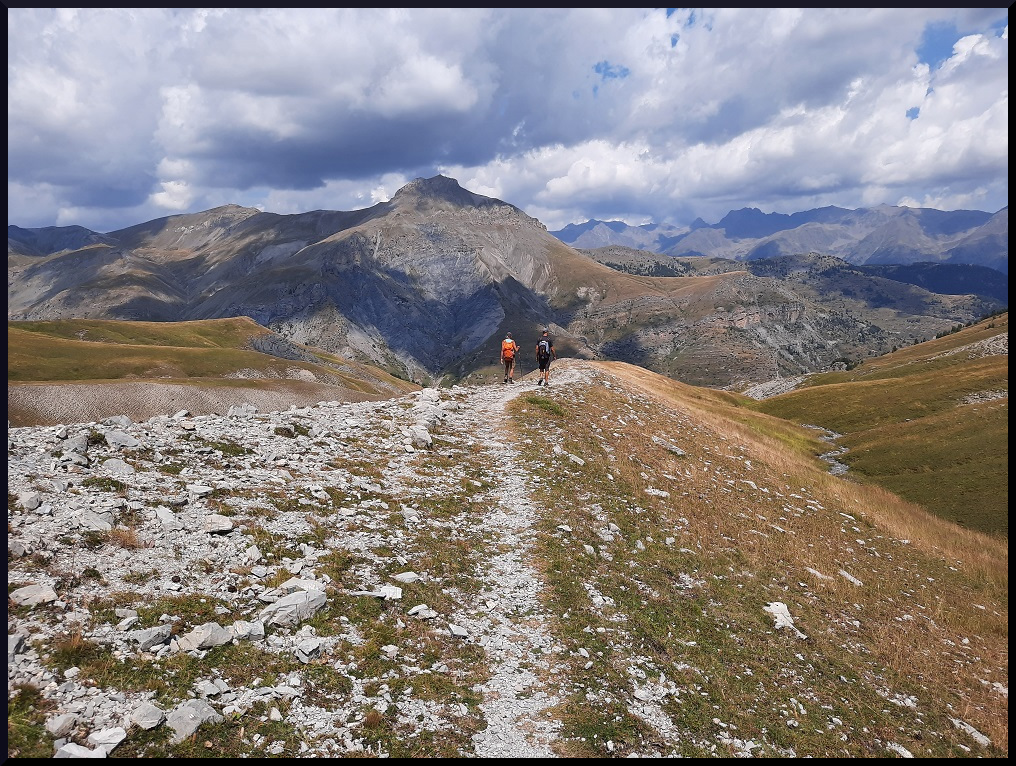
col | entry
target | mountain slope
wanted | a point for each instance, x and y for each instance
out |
(51, 239)
(775, 317)
(415, 282)
(929, 422)
(618, 565)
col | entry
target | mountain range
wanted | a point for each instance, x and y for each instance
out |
(426, 284)
(867, 236)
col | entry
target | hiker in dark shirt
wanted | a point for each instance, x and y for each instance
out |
(545, 353)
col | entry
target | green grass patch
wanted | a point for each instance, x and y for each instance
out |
(105, 484)
(170, 678)
(593, 723)
(542, 403)
(251, 735)
(27, 736)
(138, 577)
(272, 546)
(226, 447)
(193, 609)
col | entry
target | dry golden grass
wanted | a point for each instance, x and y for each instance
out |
(762, 519)
(73, 370)
(126, 537)
(982, 555)
(928, 422)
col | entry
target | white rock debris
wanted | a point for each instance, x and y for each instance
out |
(290, 450)
(781, 614)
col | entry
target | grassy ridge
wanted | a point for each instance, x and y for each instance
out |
(210, 333)
(199, 353)
(929, 422)
(90, 350)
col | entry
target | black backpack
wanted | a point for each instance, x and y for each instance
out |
(543, 348)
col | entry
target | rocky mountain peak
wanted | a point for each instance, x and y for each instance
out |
(437, 189)
(752, 222)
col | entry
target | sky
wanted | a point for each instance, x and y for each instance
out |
(646, 115)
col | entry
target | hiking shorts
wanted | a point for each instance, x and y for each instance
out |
(544, 362)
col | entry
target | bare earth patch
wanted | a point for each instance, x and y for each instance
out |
(43, 404)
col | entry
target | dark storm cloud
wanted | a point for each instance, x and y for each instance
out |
(117, 116)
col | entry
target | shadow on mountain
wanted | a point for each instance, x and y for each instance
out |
(947, 278)
(329, 301)
(628, 348)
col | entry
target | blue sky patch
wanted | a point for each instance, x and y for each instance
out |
(937, 43)
(608, 71)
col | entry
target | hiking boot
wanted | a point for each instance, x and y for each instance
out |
(511, 380)
(539, 382)
(506, 380)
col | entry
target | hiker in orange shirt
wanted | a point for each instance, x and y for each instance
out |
(508, 349)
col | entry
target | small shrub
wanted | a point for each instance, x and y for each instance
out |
(93, 539)
(140, 578)
(228, 448)
(41, 559)
(74, 650)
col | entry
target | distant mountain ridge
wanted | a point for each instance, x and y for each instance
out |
(593, 234)
(879, 235)
(52, 239)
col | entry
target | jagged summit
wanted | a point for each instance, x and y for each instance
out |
(441, 189)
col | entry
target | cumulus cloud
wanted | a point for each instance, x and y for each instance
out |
(118, 116)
